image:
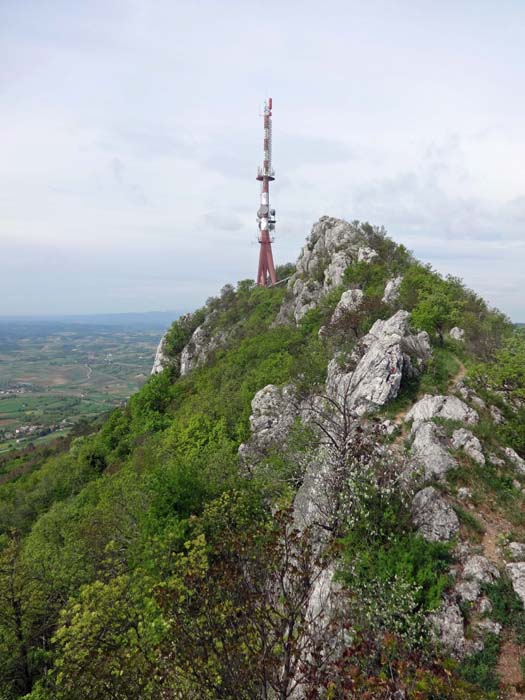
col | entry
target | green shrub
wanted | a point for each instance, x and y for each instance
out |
(507, 608)
(480, 668)
(470, 522)
(381, 546)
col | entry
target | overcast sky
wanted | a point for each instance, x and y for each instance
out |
(130, 137)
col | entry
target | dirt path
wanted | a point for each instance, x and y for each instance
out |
(460, 374)
(509, 668)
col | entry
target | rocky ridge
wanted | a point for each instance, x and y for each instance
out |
(360, 383)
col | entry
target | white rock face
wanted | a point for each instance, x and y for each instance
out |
(485, 606)
(485, 626)
(350, 301)
(335, 271)
(381, 362)
(448, 407)
(332, 246)
(496, 415)
(366, 254)
(328, 237)
(428, 454)
(517, 576)
(468, 591)
(391, 292)
(433, 516)
(449, 628)
(465, 439)
(515, 459)
(469, 394)
(307, 296)
(479, 568)
(457, 334)
(274, 411)
(200, 348)
(516, 551)
(160, 361)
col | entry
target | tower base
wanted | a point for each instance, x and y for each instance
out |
(266, 272)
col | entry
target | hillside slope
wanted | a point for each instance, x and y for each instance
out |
(318, 494)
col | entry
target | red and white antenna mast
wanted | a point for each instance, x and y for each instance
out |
(265, 215)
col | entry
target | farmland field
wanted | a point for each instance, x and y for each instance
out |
(53, 374)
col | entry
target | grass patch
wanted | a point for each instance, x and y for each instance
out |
(480, 668)
(507, 608)
(471, 523)
(442, 367)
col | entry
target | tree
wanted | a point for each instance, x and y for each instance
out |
(238, 605)
(25, 621)
(105, 644)
(437, 310)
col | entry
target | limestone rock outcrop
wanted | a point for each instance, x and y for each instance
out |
(307, 295)
(161, 360)
(516, 551)
(366, 255)
(514, 457)
(477, 570)
(449, 628)
(517, 576)
(274, 411)
(430, 459)
(391, 292)
(457, 334)
(202, 345)
(384, 356)
(448, 407)
(350, 301)
(468, 394)
(466, 440)
(331, 247)
(433, 516)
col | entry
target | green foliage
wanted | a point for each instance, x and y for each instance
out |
(480, 668)
(371, 277)
(181, 331)
(505, 374)
(282, 272)
(437, 304)
(442, 366)
(507, 607)
(381, 551)
(145, 564)
(471, 523)
(106, 643)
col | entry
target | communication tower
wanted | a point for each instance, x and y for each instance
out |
(265, 215)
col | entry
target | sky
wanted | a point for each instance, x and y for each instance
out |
(130, 135)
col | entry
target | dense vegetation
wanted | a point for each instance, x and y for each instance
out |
(143, 561)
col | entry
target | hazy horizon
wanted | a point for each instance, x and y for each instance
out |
(130, 135)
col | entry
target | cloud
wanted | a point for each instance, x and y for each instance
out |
(130, 138)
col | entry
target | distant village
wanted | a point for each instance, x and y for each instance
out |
(17, 389)
(37, 430)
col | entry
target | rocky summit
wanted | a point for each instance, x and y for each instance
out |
(319, 494)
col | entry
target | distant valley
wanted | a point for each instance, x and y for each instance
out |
(54, 372)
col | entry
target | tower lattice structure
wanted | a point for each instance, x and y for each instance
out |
(265, 215)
